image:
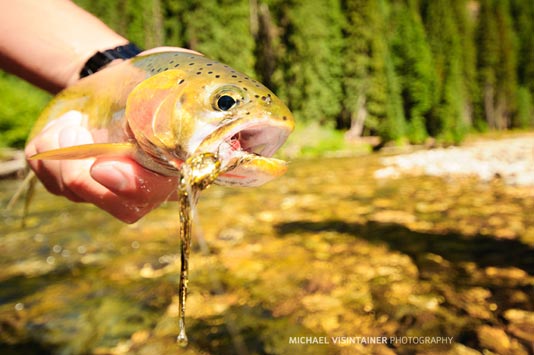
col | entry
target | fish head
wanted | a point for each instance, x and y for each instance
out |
(208, 107)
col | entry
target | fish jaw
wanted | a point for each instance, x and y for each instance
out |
(245, 148)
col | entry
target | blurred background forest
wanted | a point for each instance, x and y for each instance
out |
(403, 70)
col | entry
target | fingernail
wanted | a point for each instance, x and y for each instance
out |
(113, 175)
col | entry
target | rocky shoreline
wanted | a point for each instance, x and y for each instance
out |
(510, 159)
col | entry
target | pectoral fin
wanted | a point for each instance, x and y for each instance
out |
(86, 151)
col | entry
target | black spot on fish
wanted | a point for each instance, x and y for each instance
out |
(172, 61)
(257, 96)
(209, 64)
(191, 63)
(210, 72)
(244, 88)
(234, 76)
(217, 76)
(199, 72)
(181, 81)
(247, 113)
(176, 65)
(284, 118)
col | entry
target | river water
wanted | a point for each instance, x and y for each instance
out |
(325, 260)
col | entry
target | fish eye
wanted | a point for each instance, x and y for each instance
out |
(225, 102)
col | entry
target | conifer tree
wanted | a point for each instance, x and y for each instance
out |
(523, 19)
(446, 120)
(497, 63)
(312, 64)
(413, 63)
(356, 62)
(465, 14)
(144, 22)
(173, 23)
(394, 126)
(268, 51)
(372, 89)
(525, 108)
(523, 16)
(221, 29)
(487, 60)
(507, 66)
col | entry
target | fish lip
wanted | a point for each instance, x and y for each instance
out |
(251, 139)
(261, 137)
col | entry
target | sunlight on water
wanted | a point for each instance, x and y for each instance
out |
(410, 256)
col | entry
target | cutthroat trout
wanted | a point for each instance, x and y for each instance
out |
(165, 107)
(179, 114)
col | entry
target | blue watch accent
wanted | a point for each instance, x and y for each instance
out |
(100, 59)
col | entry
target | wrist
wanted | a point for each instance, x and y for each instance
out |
(84, 53)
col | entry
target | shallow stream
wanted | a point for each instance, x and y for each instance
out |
(323, 253)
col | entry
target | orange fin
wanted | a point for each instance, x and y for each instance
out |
(86, 151)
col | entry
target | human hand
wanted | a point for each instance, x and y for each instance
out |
(118, 185)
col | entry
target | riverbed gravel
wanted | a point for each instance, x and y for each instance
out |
(510, 159)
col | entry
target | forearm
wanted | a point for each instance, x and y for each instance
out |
(47, 42)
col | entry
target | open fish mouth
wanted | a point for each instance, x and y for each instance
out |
(245, 151)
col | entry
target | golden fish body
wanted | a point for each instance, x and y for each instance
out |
(165, 107)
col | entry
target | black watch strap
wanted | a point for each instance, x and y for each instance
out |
(100, 59)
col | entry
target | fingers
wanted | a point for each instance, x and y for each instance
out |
(119, 186)
(49, 171)
(138, 190)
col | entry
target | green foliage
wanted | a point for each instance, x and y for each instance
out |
(20, 106)
(399, 69)
(357, 60)
(314, 140)
(497, 66)
(413, 63)
(220, 29)
(506, 69)
(523, 18)
(312, 64)
(173, 27)
(372, 88)
(525, 109)
(446, 120)
(466, 20)
(144, 22)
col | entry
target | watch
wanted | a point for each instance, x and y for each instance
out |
(100, 59)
